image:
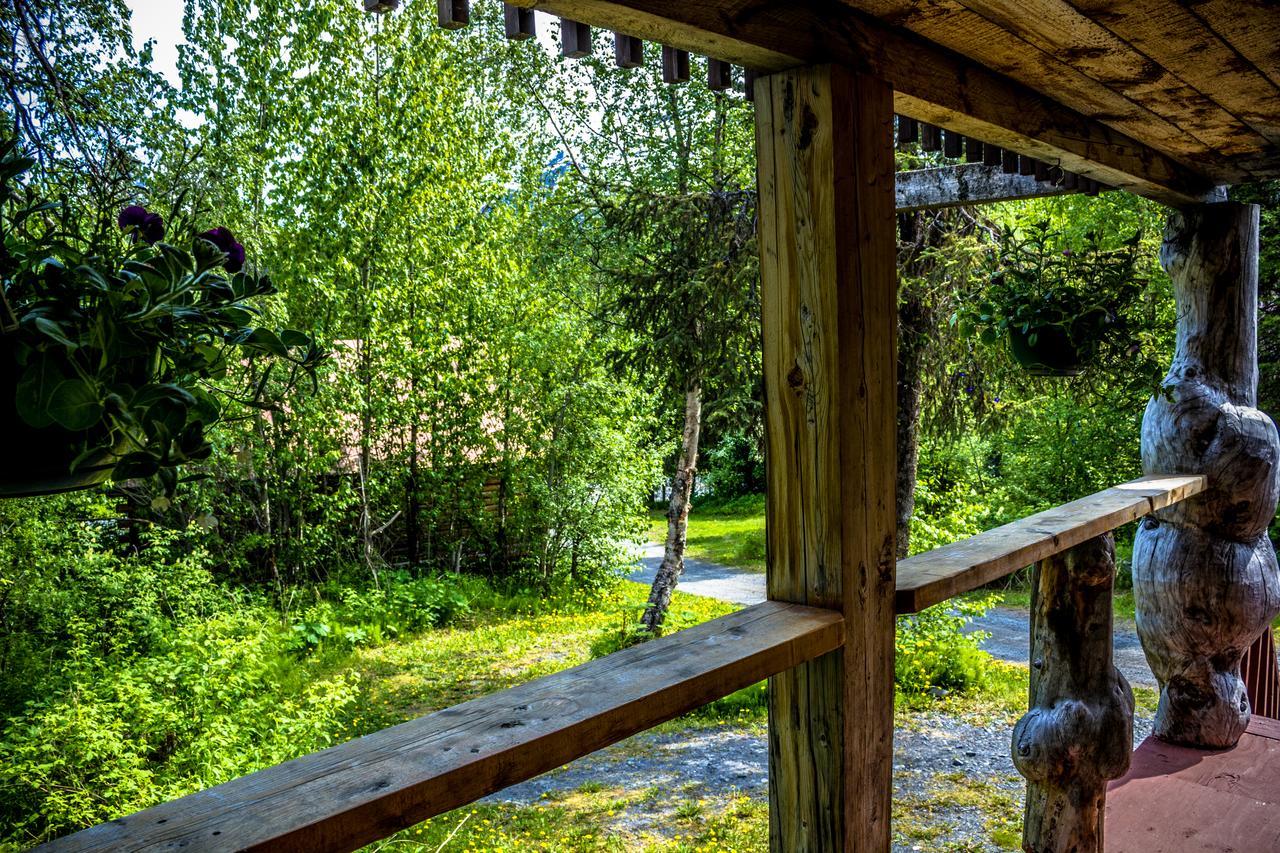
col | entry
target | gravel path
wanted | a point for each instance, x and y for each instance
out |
(1008, 627)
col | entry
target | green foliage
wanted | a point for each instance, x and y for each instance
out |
(1042, 288)
(119, 360)
(212, 702)
(932, 651)
(348, 618)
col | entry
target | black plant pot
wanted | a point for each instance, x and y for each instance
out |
(38, 461)
(1051, 354)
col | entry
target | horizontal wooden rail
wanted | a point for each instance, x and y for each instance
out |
(946, 572)
(349, 795)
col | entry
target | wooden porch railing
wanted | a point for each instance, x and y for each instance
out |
(351, 794)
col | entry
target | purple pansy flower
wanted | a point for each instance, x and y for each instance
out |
(226, 242)
(142, 222)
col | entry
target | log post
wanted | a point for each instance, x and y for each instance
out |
(1079, 730)
(1204, 572)
(828, 281)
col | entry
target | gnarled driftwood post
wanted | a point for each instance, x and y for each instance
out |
(1204, 572)
(1079, 730)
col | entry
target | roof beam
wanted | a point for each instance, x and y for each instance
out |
(930, 83)
(971, 183)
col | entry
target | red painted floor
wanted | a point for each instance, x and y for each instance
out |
(1180, 800)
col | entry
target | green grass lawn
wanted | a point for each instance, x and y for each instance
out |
(731, 534)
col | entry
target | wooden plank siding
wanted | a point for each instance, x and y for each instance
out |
(931, 84)
(945, 572)
(828, 288)
(366, 789)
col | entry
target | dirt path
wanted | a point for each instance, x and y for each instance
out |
(1008, 627)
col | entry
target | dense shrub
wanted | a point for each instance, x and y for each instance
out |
(218, 698)
(934, 652)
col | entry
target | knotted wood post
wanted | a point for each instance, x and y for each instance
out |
(829, 308)
(1204, 572)
(1079, 730)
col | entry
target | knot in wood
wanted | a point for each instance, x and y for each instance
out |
(795, 379)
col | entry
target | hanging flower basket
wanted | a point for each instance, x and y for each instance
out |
(1046, 351)
(112, 357)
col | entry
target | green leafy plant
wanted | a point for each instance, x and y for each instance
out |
(1059, 307)
(933, 652)
(112, 365)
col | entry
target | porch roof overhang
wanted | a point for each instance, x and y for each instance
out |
(1167, 99)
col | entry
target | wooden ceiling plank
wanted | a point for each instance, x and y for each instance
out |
(931, 84)
(1179, 127)
(1174, 37)
(1063, 32)
(1252, 27)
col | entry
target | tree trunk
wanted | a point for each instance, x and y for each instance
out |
(1204, 572)
(913, 318)
(1079, 730)
(664, 583)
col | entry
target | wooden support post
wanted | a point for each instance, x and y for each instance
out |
(575, 39)
(1009, 162)
(749, 83)
(719, 75)
(828, 290)
(1079, 730)
(1205, 579)
(991, 155)
(518, 22)
(453, 14)
(1026, 165)
(675, 65)
(973, 150)
(628, 51)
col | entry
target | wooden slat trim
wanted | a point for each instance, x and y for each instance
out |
(945, 572)
(931, 84)
(971, 183)
(349, 795)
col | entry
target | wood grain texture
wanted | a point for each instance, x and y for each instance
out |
(1054, 48)
(931, 84)
(945, 572)
(828, 291)
(1079, 729)
(1205, 577)
(1173, 36)
(349, 795)
(1176, 799)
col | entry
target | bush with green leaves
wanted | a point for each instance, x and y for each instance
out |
(218, 699)
(933, 651)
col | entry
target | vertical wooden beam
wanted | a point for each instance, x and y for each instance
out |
(1009, 162)
(930, 137)
(518, 22)
(628, 51)
(973, 150)
(908, 130)
(719, 75)
(749, 77)
(575, 38)
(675, 65)
(828, 285)
(1079, 730)
(453, 14)
(991, 155)
(1205, 579)
(953, 144)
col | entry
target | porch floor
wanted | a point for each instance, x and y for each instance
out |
(1180, 800)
